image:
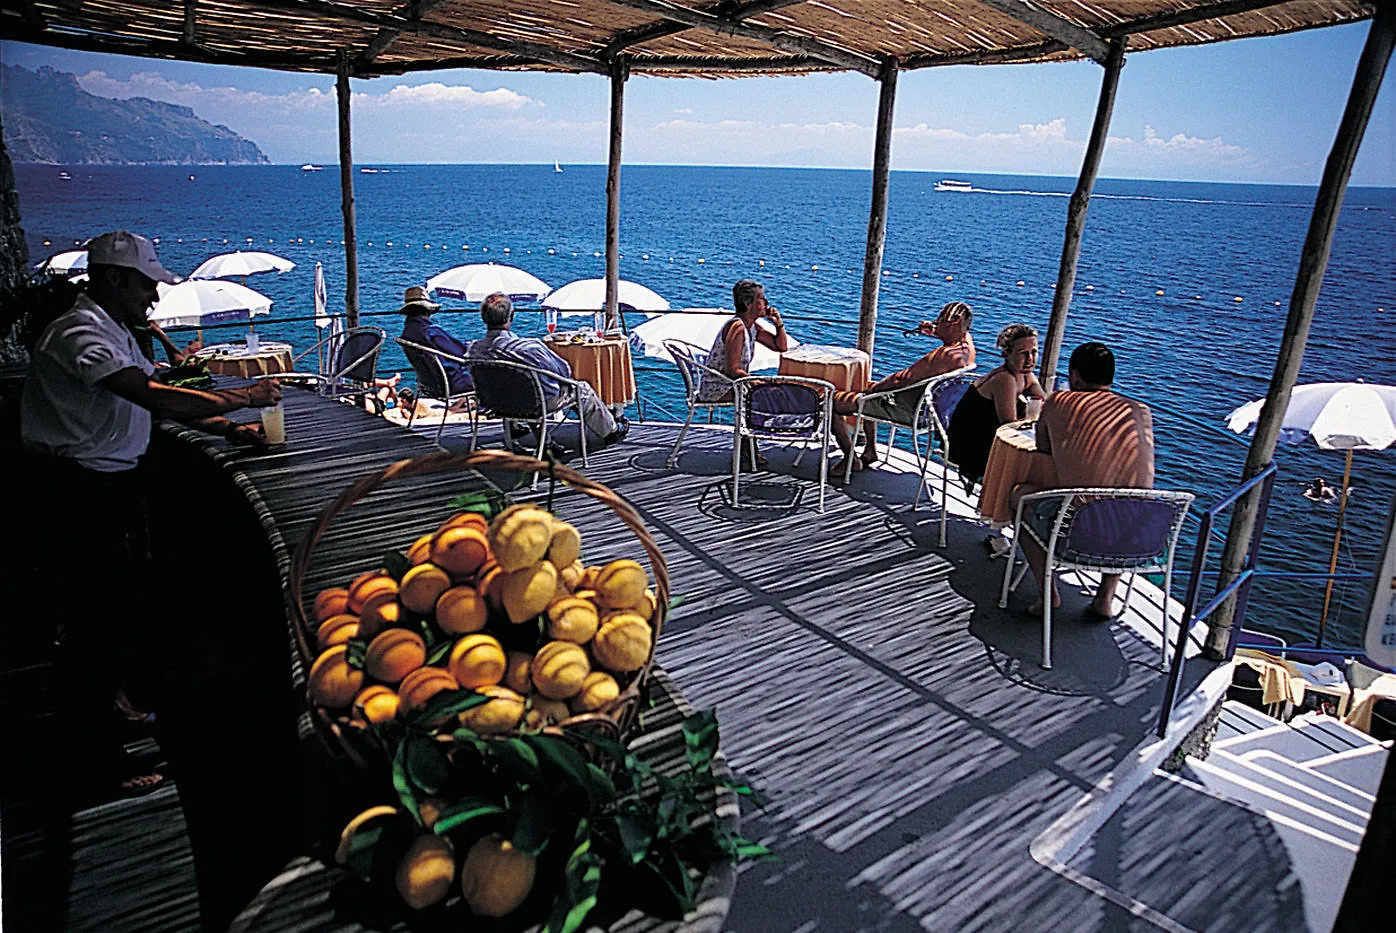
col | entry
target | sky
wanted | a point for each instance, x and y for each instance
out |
(1255, 110)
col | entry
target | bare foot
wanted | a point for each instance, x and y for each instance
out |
(141, 784)
(868, 459)
(1035, 610)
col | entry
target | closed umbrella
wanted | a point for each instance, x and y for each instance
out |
(201, 303)
(1337, 416)
(698, 326)
(322, 318)
(586, 296)
(478, 281)
(69, 263)
(238, 265)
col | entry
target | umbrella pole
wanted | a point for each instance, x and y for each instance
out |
(1337, 538)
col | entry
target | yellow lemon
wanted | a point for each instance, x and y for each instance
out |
(332, 683)
(568, 576)
(558, 669)
(566, 545)
(587, 581)
(516, 671)
(572, 619)
(623, 642)
(544, 712)
(425, 873)
(336, 630)
(621, 584)
(520, 536)
(527, 591)
(496, 877)
(477, 661)
(461, 610)
(598, 691)
(422, 586)
(394, 654)
(501, 713)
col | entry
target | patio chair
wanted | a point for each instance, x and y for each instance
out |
(513, 391)
(432, 382)
(353, 357)
(784, 408)
(692, 363)
(1105, 530)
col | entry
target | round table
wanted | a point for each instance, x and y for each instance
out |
(235, 359)
(602, 364)
(846, 368)
(1013, 459)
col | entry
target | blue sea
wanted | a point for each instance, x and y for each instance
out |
(1194, 352)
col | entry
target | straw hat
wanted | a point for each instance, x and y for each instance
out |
(415, 301)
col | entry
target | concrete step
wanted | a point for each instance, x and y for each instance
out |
(1299, 740)
(1292, 782)
(1360, 768)
(1282, 801)
(1239, 719)
(1311, 778)
(1333, 730)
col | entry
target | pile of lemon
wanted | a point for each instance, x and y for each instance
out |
(474, 587)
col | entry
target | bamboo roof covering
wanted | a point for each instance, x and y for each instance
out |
(659, 37)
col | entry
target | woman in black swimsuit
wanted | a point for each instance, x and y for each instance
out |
(994, 400)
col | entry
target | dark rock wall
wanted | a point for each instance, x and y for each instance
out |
(14, 253)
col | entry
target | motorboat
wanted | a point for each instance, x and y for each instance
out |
(311, 168)
(948, 184)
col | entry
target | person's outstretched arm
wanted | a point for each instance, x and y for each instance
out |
(187, 405)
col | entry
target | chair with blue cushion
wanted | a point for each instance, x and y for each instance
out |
(783, 408)
(1102, 530)
(432, 381)
(514, 391)
(692, 363)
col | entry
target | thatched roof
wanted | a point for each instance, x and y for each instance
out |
(695, 37)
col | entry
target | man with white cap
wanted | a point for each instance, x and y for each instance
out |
(85, 422)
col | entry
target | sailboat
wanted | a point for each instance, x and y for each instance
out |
(556, 167)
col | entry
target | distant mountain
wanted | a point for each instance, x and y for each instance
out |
(49, 118)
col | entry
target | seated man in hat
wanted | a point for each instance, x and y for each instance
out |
(500, 343)
(420, 329)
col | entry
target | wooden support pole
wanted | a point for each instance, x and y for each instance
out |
(1076, 213)
(1318, 244)
(346, 190)
(877, 213)
(619, 72)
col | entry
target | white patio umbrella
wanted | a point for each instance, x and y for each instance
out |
(67, 263)
(587, 296)
(1338, 416)
(698, 326)
(478, 281)
(200, 303)
(239, 265)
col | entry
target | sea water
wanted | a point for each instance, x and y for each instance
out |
(1188, 282)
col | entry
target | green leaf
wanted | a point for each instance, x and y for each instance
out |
(602, 786)
(396, 564)
(356, 651)
(445, 704)
(744, 849)
(674, 871)
(583, 875)
(675, 602)
(700, 739)
(517, 758)
(465, 811)
(426, 763)
(488, 503)
(439, 653)
(636, 833)
(403, 784)
(360, 852)
(533, 825)
(562, 760)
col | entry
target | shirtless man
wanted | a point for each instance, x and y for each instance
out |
(951, 327)
(1096, 438)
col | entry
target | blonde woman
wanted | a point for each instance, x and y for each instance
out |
(995, 399)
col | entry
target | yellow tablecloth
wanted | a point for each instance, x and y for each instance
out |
(1013, 459)
(234, 359)
(1280, 681)
(605, 366)
(846, 368)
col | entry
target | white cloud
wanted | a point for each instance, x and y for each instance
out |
(684, 110)
(459, 95)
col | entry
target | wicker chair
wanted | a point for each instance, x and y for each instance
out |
(786, 408)
(513, 391)
(432, 381)
(1105, 530)
(691, 361)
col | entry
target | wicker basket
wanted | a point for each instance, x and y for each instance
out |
(617, 720)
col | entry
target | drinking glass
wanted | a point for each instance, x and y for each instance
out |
(274, 424)
(254, 343)
(550, 314)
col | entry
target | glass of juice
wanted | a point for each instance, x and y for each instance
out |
(274, 423)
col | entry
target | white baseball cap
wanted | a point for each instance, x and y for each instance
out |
(129, 251)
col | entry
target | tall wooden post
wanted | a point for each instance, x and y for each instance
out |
(620, 70)
(877, 213)
(1318, 244)
(1076, 213)
(346, 190)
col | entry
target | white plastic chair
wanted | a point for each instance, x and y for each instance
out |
(1103, 530)
(691, 361)
(514, 392)
(784, 408)
(432, 382)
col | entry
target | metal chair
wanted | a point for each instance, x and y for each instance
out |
(432, 381)
(1104, 530)
(784, 408)
(513, 391)
(691, 361)
(354, 363)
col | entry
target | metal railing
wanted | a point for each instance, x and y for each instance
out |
(1240, 586)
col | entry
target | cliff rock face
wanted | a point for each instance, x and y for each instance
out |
(49, 118)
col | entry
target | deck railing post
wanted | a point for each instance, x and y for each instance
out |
(877, 213)
(346, 189)
(620, 70)
(1318, 244)
(1076, 212)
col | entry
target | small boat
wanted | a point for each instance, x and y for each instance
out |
(556, 167)
(311, 168)
(65, 176)
(948, 184)
(368, 171)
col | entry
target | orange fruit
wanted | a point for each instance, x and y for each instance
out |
(420, 551)
(376, 704)
(381, 611)
(488, 583)
(516, 671)
(331, 602)
(460, 550)
(368, 585)
(422, 586)
(477, 661)
(394, 654)
(336, 630)
(461, 610)
(418, 687)
(496, 877)
(466, 520)
(425, 872)
(332, 683)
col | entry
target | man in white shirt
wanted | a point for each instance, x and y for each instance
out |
(85, 421)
